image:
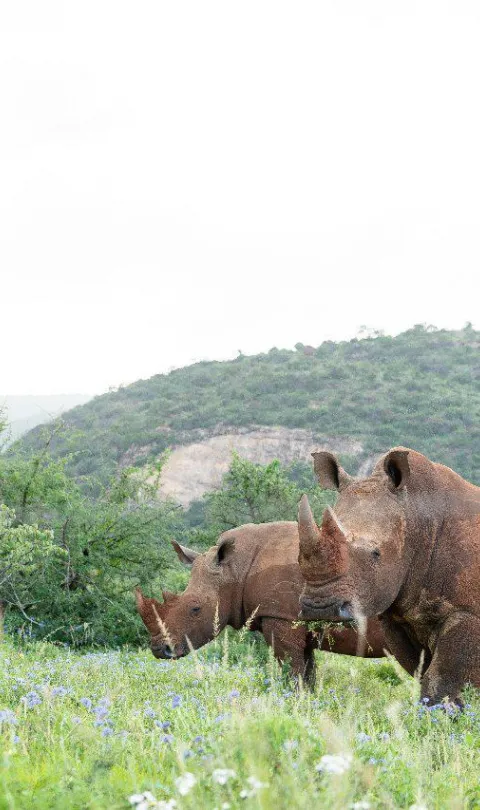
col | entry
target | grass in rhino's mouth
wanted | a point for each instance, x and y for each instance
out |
(323, 630)
(319, 626)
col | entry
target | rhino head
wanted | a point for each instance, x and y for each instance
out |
(191, 619)
(355, 562)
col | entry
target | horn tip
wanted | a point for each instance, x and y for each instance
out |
(304, 510)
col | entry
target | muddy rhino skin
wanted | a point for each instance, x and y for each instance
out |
(252, 574)
(403, 543)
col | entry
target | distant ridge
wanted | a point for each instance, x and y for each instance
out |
(420, 389)
(25, 412)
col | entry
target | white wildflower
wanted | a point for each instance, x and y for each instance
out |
(138, 798)
(418, 807)
(185, 783)
(222, 775)
(334, 763)
(362, 805)
(254, 786)
(147, 801)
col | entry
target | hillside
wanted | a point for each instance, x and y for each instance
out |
(420, 389)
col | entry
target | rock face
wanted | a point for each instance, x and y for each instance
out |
(199, 467)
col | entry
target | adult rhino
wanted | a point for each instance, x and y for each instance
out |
(251, 573)
(403, 543)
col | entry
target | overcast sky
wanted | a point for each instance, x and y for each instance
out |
(181, 180)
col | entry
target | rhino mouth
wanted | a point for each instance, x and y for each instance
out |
(165, 651)
(311, 610)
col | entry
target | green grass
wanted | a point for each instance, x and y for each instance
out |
(228, 707)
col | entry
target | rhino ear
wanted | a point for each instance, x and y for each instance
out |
(330, 474)
(186, 555)
(397, 468)
(225, 546)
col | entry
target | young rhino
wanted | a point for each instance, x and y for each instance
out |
(403, 543)
(251, 572)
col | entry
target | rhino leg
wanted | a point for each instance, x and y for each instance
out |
(310, 666)
(400, 645)
(290, 643)
(456, 660)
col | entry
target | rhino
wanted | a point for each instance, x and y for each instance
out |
(251, 576)
(404, 544)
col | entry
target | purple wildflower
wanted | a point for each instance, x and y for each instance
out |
(32, 699)
(7, 717)
(59, 691)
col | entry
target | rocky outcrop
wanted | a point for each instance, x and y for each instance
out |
(198, 467)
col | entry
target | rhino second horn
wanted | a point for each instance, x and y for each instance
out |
(331, 524)
(332, 553)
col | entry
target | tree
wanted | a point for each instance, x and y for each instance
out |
(3, 427)
(105, 546)
(252, 493)
(24, 551)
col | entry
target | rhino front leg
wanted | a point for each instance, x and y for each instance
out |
(291, 643)
(400, 646)
(456, 660)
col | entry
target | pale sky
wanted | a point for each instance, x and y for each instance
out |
(181, 180)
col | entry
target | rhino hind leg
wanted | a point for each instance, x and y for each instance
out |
(290, 643)
(456, 660)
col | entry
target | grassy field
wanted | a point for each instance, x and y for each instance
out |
(224, 729)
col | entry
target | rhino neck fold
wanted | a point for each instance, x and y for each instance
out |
(424, 545)
(238, 614)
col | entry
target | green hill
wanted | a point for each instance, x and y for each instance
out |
(420, 389)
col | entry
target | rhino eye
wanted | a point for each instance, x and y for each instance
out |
(376, 554)
(195, 611)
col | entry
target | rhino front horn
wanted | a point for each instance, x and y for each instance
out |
(323, 552)
(308, 532)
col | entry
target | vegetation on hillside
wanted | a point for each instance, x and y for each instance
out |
(222, 728)
(69, 561)
(420, 389)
